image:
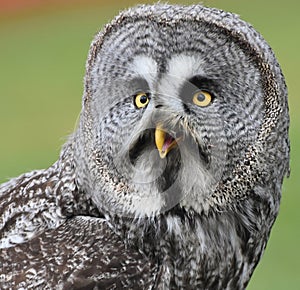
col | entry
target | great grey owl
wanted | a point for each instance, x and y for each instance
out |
(172, 179)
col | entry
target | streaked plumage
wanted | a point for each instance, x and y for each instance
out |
(172, 179)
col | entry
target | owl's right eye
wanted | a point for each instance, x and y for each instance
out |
(141, 100)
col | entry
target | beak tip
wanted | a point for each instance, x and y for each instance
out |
(164, 142)
(162, 154)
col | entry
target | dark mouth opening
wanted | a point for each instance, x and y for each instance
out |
(169, 139)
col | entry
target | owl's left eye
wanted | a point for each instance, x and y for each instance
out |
(202, 98)
(141, 100)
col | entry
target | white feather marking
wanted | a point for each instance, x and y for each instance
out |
(145, 67)
(185, 66)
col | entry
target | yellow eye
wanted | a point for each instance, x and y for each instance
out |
(202, 98)
(141, 100)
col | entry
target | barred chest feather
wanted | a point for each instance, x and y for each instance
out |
(215, 251)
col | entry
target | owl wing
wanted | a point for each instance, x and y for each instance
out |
(83, 253)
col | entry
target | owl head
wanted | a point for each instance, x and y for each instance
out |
(183, 105)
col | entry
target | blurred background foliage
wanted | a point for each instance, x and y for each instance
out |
(43, 48)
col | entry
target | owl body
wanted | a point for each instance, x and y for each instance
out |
(172, 179)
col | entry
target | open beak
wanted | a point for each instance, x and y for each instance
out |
(164, 142)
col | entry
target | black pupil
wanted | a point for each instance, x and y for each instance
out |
(200, 97)
(143, 99)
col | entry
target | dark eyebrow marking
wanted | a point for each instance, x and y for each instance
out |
(201, 82)
(139, 84)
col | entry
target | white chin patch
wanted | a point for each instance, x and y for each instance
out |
(149, 205)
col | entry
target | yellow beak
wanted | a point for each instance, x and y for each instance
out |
(164, 142)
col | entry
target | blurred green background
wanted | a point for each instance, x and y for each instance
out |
(43, 49)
